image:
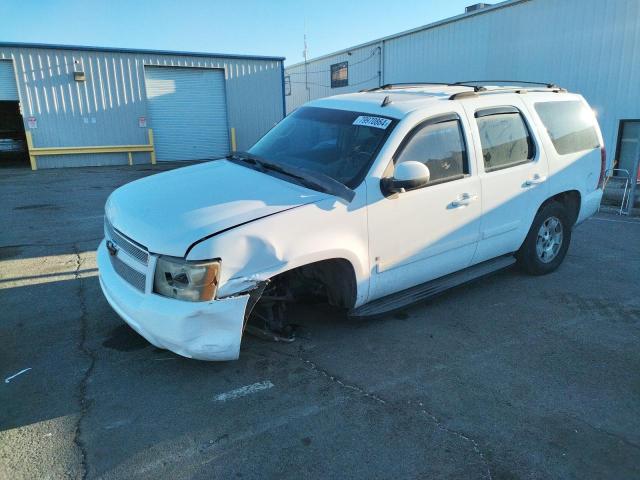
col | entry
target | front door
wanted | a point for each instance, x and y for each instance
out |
(422, 234)
(513, 174)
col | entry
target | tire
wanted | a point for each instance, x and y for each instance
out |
(547, 242)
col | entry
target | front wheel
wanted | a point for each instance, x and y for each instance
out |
(547, 242)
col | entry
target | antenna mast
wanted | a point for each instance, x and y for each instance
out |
(304, 53)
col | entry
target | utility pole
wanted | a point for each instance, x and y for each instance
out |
(304, 53)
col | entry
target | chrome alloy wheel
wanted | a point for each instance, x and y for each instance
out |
(549, 239)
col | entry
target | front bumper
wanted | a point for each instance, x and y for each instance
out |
(201, 330)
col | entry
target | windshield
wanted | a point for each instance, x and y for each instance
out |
(336, 143)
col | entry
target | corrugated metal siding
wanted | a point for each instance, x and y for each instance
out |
(8, 89)
(188, 112)
(104, 110)
(588, 46)
(364, 67)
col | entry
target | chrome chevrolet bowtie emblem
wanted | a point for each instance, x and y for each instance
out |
(113, 250)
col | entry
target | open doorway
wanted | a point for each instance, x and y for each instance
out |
(628, 151)
(13, 143)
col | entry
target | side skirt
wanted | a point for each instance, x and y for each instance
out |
(427, 290)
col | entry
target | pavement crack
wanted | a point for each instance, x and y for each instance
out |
(331, 377)
(89, 354)
(335, 379)
(604, 431)
(474, 443)
(421, 408)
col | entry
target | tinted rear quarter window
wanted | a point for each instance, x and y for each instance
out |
(571, 126)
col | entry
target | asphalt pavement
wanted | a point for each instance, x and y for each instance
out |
(509, 377)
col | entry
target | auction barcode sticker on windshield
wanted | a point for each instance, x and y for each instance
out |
(375, 122)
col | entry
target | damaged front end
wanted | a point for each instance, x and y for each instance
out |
(266, 318)
(210, 330)
(329, 282)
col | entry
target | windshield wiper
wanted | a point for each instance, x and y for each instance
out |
(247, 159)
(314, 180)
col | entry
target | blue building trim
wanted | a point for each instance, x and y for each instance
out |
(135, 50)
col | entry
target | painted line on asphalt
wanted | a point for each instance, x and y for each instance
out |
(8, 379)
(243, 391)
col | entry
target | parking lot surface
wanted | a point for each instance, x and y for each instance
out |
(509, 377)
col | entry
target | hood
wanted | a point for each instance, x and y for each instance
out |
(170, 211)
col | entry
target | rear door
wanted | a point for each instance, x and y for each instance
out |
(513, 172)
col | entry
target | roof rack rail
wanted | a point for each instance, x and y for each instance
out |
(477, 85)
(390, 86)
(514, 89)
(469, 83)
(459, 95)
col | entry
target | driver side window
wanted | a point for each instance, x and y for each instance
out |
(441, 147)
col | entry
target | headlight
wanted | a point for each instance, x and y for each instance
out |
(192, 281)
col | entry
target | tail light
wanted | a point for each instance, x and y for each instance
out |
(603, 166)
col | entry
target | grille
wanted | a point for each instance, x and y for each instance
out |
(136, 251)
(129, 274)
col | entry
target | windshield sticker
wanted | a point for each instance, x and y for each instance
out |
(375, 122)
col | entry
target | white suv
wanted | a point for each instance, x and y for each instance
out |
(371, 200)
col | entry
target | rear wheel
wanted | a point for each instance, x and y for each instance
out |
(547, 242)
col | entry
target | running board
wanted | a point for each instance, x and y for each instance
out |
(430, 289)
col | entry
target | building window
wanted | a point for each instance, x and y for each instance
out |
(287, 86)
(340, 74)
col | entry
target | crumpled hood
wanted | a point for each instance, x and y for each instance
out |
(170, 211)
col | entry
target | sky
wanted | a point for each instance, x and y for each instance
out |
(273, 28)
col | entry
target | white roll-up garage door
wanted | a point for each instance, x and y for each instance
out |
(188, 112)
(8, 89)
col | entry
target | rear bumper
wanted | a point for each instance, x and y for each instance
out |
(590, 205)
(199, 330)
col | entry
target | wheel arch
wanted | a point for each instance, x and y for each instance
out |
(337, 275)
(570, 199)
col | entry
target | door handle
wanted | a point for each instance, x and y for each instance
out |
(464, 200)
(536, 180)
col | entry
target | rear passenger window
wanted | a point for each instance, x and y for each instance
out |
(440, 146)
(571, 126)
(505, 138)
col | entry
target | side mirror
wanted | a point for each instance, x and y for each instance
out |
(407, 176)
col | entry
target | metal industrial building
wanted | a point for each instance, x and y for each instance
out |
(80, 106)
(587, 46)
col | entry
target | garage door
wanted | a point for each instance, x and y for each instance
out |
(8, 89)
(188, 112)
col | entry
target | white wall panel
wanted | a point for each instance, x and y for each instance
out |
(104, 109)
(587, 46)
(364, 67)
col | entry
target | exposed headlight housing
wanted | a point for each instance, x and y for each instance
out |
(191, 281)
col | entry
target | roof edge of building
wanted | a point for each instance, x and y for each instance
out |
(439, 23)
(88, 48)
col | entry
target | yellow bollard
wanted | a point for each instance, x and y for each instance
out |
(153, 150)
(233, 139)
(32, 158)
